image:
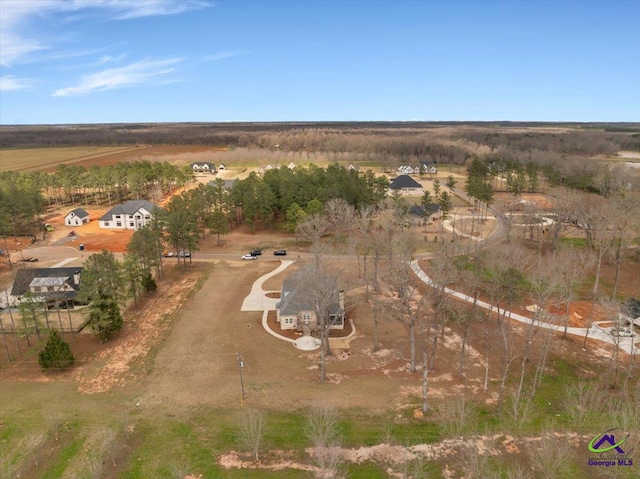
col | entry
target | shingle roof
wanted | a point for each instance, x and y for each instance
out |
(632, 307)
(293, 300)
(128, 208)
(417, 210)
(404, 181)
(45, 277)
(81, 213)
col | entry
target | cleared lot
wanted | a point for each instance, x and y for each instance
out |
(198, 365)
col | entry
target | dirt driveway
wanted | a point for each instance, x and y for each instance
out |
(197, 364)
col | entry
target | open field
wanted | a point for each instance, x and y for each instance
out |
(47, 159)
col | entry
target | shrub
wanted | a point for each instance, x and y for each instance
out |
(56, 353)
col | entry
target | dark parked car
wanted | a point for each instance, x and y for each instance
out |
(184, 254)
(280, 252)
(256, 252)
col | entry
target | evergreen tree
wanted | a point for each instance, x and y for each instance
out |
(104, 317)
(56, 353)
(102, 276)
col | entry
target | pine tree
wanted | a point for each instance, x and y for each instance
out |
(104, 317)
(56, 353)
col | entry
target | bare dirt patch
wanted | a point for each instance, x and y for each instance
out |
(143, 329)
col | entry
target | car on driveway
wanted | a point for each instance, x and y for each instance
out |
(184, 254)
(280, 252)
(256, 252)
(248, 256)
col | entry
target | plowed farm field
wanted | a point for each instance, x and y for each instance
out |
(47, 159)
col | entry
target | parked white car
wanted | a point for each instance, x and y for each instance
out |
(248, 256)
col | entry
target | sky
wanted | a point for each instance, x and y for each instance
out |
(131, 61)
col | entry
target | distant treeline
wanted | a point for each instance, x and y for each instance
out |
(446, 141)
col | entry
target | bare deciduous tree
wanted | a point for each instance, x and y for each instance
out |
(551, 457)
(322, 432)
(312, 228)
(455, 415)
(252, 428)
(582, 402)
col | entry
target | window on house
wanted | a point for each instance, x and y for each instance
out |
(131, 223)
(306, 317)
(119, 224)
(50, 288)
(118, 217)
(106, 223)
(147, 217)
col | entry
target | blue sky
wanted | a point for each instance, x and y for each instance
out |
(109, 61)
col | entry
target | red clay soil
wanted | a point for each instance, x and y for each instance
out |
(580, 313)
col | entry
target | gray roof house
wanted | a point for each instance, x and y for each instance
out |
(48, 284)
(405, 184)
(77, 217)
(433, 213)
(295, 309)
(129, 215)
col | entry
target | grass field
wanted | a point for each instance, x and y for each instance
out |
(35, 159)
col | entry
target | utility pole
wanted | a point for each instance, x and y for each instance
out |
(6, 245)
(242, 364)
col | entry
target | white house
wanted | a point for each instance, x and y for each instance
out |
(130, 215)
(76, 217)
(291, 165)
(428, 168)
(221, 166)
(407, 170)
(203, 167)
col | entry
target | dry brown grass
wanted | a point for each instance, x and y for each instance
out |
(34, 159)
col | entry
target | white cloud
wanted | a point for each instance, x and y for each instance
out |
(139, 73)
(9, 82)
(127, 9)
(17, 40)
(109, 59)
(223, 55)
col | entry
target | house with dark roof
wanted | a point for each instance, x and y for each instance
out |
(130, 215)
(228, 184)
(77, 217)
(405, 184)
(631, 311)
(203, 167)
(434, 212)
(295, 309)
(48, 284)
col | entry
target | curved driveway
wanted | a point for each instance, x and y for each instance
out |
(595, 332)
